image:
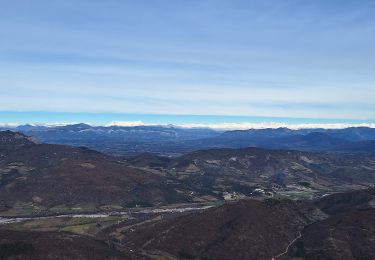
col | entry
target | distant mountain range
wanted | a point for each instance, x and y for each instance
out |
(118, 140)
(171, 140)
(47, 178)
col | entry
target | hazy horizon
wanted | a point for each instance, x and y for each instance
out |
(220, 122)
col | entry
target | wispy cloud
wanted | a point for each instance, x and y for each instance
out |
(263, 58)
(249, 125)
(126, 123)
(245, 125)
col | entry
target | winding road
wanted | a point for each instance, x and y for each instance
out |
(287, 248)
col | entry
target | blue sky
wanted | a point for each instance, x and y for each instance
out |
(260, 60)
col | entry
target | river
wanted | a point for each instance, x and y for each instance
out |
(10, 220)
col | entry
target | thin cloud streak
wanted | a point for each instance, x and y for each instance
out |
(266, 58)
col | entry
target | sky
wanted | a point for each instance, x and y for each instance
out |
(206, 60)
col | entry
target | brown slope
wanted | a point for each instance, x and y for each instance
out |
(349, 232)
(344, 202)
(241, 170)
(149, 160)
(48, 245)
(347, 236)
(10, 140)
(245, 230)
(263, 230)
(44, 176)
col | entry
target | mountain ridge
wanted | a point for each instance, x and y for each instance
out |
(174, 141)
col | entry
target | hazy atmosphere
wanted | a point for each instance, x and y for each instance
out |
(279, 59)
